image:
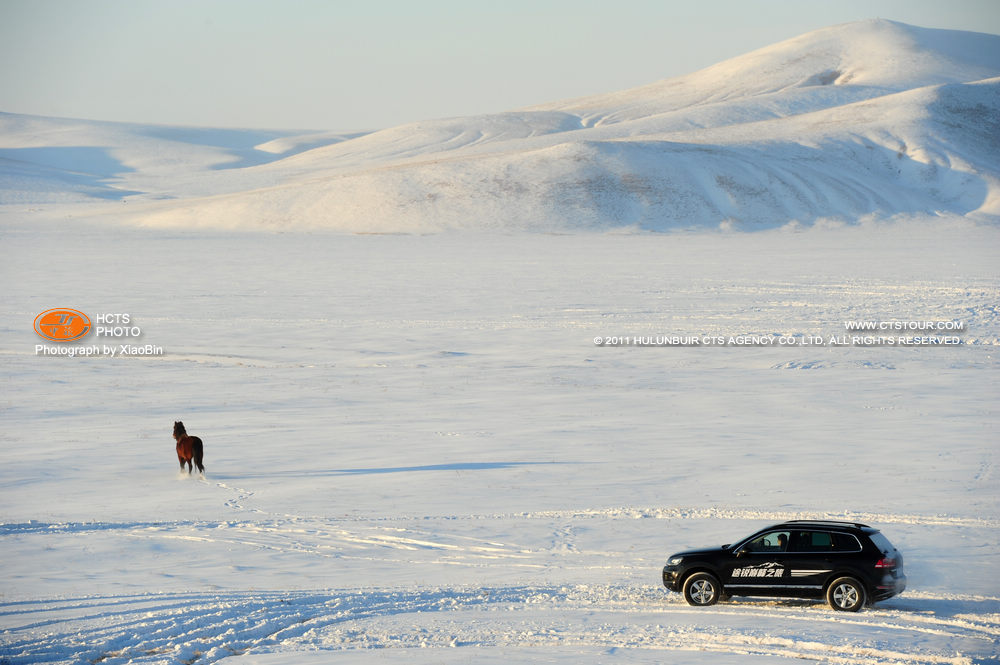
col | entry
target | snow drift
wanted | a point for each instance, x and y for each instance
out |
(874, 118)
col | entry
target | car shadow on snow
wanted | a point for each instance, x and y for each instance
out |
(942, 608)
(946, 607)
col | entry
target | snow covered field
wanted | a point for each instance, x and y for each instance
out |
(413, 442)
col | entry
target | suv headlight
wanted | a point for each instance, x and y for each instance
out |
(675, 560)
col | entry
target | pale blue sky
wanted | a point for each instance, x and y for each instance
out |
(344, 64)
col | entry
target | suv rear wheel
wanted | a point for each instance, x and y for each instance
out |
(702, 589)
(846, 594)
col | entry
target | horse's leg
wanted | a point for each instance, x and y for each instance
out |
(198, 451)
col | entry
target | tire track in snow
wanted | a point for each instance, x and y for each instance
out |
(665, 513)
(557, 540)
(206, 627)
(672, 513)
(209, 627)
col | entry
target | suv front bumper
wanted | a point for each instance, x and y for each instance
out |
(671, 578)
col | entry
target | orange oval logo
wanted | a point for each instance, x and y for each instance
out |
(62, 325)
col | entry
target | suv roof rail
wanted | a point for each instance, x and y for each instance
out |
(857, 524)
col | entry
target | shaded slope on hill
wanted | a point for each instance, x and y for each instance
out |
(874, 118)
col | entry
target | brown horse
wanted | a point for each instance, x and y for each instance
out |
(189, 448)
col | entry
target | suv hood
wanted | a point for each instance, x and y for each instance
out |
(709, 550)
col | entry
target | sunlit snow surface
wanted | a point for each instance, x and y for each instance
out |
(415, 451)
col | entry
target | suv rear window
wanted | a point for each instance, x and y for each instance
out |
(881, 542)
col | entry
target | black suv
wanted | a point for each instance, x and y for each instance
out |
(851, 565)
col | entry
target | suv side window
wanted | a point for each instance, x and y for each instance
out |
(825, 541)
(814, 541)
(845, 542)
(774, 541)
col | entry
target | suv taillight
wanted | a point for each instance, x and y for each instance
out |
(885, 562)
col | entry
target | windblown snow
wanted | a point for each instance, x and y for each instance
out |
(865, 119)
(417, 450)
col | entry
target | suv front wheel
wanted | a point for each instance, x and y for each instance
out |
(846, 594)
(702, 590)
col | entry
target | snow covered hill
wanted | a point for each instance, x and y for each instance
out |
(874, 118)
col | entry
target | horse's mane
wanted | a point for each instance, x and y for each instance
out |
(179, 428)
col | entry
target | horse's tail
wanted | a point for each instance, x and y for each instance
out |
(198, 450)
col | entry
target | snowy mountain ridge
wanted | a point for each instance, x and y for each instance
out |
(867, 119)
